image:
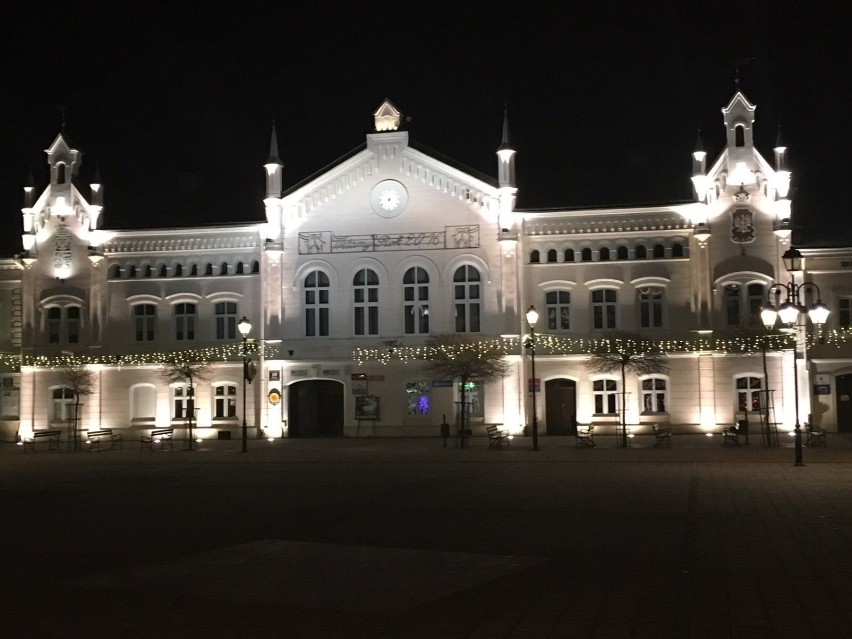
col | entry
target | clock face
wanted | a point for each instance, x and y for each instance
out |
(388, 198)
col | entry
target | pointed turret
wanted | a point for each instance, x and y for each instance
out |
(274, 167)
(506, 156)
(699, 169)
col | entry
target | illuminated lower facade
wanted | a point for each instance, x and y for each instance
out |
(353, 271)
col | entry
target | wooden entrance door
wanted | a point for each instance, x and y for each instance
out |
(561, 406)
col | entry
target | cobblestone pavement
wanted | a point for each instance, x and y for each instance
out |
(406, 538)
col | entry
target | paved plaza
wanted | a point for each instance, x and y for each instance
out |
(406, 538)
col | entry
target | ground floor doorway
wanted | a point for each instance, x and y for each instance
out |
(560, 397)
(315, 408)
(843, 383)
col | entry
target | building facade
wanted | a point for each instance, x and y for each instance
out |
(353, 271)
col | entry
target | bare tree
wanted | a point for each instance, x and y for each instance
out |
(626, 352)
(81, 380)
(180, 371)
(460, 357)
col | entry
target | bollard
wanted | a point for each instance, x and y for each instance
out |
(445, 430)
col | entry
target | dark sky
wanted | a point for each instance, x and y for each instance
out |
(175, 106)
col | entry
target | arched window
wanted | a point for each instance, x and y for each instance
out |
(586, 254)
(132, 271)
(223, 270)
(551, 256)
(148, 272)
(558, 310)
(535, 257)
(739, 135)
(415, 289)
(603, 254)
(193, 270)
(365, 286)
(654, 395)
(641, 252)
(659, 251)
(164, 271)
(178, 270)
(749, 392)
(622, 253)
(316, 304)
(467, 294)
(677, 249)
(115, 271)
(255, 266)
(60, 173)
(569, 255)
(208, 270)
(239, 270)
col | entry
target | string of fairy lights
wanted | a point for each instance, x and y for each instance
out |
(545, 344)
(223, 353)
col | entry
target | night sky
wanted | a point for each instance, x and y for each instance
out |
(175, 106)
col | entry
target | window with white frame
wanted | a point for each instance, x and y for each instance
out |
(415, 289)
(654, 395)
(606, 396)
(183, 402)
(844, 312)
(226, 320)
(63, 404)
(558, 305)
(467, 293)
(224, 401)
(63, 324)
(143, 402)
(316, 304)
(749, 393)
(742, 304)
(365, 286)
(756, 294)
(604, 308)
(185, 316)
(144, 320)
(651, 301)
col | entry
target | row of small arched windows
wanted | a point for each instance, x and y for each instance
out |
(605, 254)
(116, 271)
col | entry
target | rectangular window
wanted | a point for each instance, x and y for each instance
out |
(654, 395)
(604, 308)
(54, 324)
(732, 305)
(651, 307)
(606, 396)
(72, 324)
(184, 402)
(558, 310)
(184, 322)
(844, 312)
(225, 401)
(63, 404)
(226, 320)
(145, 317)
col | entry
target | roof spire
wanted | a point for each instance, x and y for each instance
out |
(273, 147)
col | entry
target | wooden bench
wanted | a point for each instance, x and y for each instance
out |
(95, 437)
(159, 439)
(816, 435)
(496, 436)
(662, 436)
(49, 437)
(584, 437)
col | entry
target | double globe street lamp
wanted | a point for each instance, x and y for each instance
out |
(789, 312)
(532, 318)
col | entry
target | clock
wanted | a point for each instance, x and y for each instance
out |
(388, 198)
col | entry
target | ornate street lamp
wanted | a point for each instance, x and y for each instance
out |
(789, 312)
(244, 326)
(532, 318)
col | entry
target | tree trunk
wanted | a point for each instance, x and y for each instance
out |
(623, 407)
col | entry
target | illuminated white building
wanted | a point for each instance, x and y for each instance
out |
(390, 246)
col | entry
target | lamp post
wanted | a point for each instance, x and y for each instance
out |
(244, 327)
(789, 312)
(532, 318)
